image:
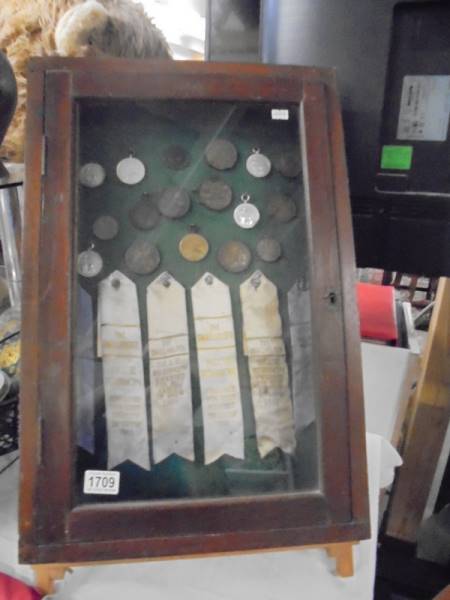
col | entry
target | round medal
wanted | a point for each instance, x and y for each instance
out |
(234, 256)
(193, 247)
(176, 158)
(89, 263)
(215, 194)
(221, 154)
(174, 202)
(142, 257)
(92, 175)
(105, 227)
(144, 214)
(246, 215)
(130, 170)
(282, 208)
(258, 164)
(268, 249)
(288, 163)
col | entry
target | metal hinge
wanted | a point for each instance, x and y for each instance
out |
(44, 156)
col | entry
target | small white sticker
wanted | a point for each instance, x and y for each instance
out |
(101, 482)
(280, 114)
(424, 108)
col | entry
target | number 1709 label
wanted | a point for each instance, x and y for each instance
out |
(101, 482)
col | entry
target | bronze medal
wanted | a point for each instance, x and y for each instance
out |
(142, 257)
(268, 249)
(193, 247)
(174, 202)
(221, 154)
(234, 256)
(282, 208)
(288, 163)
(176, 158)
(105, 227)
(215, 194)
(144, 214)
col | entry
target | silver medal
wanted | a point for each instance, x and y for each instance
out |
(91, 175)
(130, 170)
(258, 164)
(89, 263)
(246, 215)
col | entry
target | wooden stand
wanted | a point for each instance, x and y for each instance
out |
(47, 574)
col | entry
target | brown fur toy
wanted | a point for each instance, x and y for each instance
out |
(70, 28)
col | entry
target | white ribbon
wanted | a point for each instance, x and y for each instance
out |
(170, 369)
(119, 344)
(269, 379)
(218, 372)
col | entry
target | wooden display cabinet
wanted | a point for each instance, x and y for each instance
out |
(168, 115)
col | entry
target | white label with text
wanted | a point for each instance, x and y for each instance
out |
(101, 482)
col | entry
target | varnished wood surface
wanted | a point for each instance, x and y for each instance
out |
(30, 435)
(427, 428)
(328, 360)
(52, 529)
(356, 430)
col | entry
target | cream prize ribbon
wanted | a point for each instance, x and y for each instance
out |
(119, 344)
(269, 379)
(218, 373)
(170, 369)
(299, 308)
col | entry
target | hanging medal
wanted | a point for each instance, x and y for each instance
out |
(119, 344)
(170, 372)
(263, 345)
(130, 170)
(218, 371)
(257, 164)
(246, 215)
(89, 263)
(299, 309)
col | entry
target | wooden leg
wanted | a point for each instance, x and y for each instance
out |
(343, 554)
(46, 575)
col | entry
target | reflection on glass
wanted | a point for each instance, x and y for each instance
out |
(193, 327)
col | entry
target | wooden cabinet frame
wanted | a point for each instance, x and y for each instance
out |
(52, 529)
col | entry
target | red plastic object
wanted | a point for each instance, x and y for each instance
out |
(12, 589)
(376, 305)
